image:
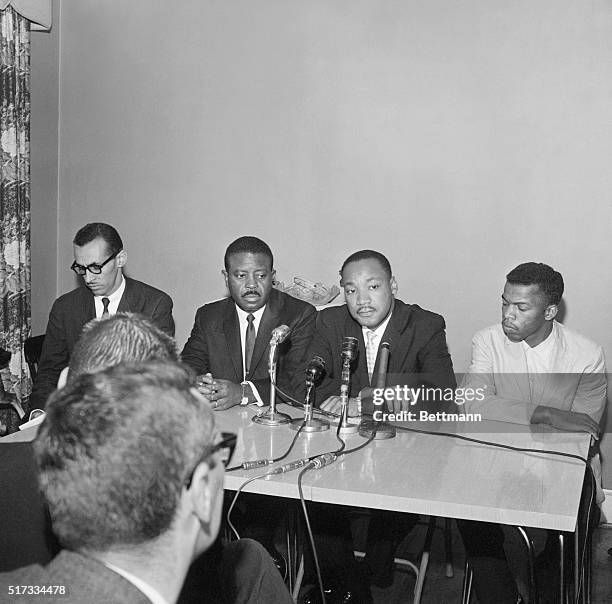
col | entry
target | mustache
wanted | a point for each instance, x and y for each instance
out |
(251, 292)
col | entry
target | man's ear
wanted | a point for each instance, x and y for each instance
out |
(205, 490)
(551, 312)
(226, 277)
(393, 283)
(121, 258)
(63, 378)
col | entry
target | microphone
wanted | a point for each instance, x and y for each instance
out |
(349, 348)
(279, 334)
(383, 363)
(315, 369)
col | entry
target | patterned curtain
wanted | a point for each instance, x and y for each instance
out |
(14, 214)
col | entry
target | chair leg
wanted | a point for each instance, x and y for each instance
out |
(420, 582)
(448, 547)
(466, 593)
(533, 586)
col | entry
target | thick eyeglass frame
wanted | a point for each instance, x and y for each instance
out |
(94, 268)
(228, 441)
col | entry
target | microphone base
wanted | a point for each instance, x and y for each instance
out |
(271, 418)
(312, 425)
(384, 430)
(348, 428)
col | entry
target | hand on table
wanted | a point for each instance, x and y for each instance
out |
(568, 421)
(222, 394)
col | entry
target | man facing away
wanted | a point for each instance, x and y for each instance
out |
(99, 257)
(418, 357)
(229, 343)
(535, 371)
(131, 467)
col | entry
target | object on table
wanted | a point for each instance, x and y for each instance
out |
(309, 291)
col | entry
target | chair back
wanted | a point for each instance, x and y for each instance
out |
(32, 348)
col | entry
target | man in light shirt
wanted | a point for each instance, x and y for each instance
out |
(99, 257)
(534, 370)
(132, 469)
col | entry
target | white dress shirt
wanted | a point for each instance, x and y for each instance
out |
(114, 300)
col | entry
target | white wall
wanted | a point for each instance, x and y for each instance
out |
(459, 138)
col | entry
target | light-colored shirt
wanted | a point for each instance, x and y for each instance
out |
(566, 371)
(145, 588)
(113, 300)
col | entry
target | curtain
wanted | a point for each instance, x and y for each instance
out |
(14, 212)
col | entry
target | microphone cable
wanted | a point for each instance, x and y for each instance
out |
(258, 463)
(494, 444)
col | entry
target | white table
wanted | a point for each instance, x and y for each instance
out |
(424, 474)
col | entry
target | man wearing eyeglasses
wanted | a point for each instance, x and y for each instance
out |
(99, 258)
(133, 515)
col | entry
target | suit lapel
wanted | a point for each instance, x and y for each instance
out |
(397, 338)
(125, 304)
(231, 330)
(353, 329)
(87, 308)
(268, 322)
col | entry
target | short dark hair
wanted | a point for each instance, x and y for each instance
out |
(120, 338)
(368, 255)
(115, 450)
(545, 277)
(93, 230)
(248, 245)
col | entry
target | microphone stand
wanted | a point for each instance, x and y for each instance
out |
(272, 417)
(344, 426)
(381, 430)
(309, 423)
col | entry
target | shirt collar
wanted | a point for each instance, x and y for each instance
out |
(116, 295)
(543, 349)
(145, 588)
(243, 314)
(379, 331)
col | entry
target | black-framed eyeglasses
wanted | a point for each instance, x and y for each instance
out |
(225, 447)
(93, 268)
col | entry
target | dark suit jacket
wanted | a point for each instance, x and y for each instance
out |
(86, 581)
(418, 352)
(69, 314)
(214, 344)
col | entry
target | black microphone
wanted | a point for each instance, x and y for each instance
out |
(349, 348)
(315, 369)
(279, 334)
(383, 363)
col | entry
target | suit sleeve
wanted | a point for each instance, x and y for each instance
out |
(196, 353)
(591, 394)
(320, 346)
(54, 357)
(481, 378)
(435, 362)
(293, 359)
(162, 315)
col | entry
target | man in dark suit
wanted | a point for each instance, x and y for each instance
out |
(99, 258)
(230, 340)
(132, 514)
(418, 357)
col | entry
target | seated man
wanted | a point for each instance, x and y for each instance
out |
(418, 356)
(132, 514)
(535, 371)
(229, 343)
(99, 258)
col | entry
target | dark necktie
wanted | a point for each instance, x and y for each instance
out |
(105, 302)
(249, 344)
